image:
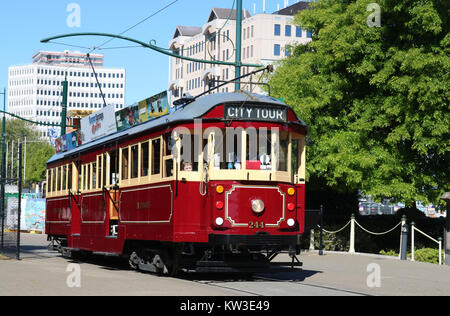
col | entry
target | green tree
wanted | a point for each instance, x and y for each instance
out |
(376, 98)
(38, 151)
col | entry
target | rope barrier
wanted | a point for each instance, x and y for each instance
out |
(337, 231)
(378, 234)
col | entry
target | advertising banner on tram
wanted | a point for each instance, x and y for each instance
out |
(154, 107)
(127, 117)
(68, 142)
(143, 111)
(98, 124)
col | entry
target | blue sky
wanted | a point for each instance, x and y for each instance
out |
(24, 23)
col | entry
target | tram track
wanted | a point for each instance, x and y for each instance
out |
(257, 286)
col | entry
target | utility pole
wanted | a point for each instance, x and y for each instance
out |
(3, 167)
(64, 107)
(238, 43)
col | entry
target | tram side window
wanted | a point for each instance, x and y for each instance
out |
(298, 173)
(295, 158)
(188, 153)
(145, 159)
(103, 169)
(168, 158)
(283, 151)
(134, 161)
(113, 168)
(85, 177)
(53, 180)
(125, 164)
(88, 177)
(99, 172)
(64, 177)
(94, 175)
(69, 177)
(156, 156)
(49, 181)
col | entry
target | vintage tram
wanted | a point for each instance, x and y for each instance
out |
(216, 185)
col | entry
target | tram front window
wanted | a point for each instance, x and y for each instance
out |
(228, 149)
(259, 149)
(269, 154)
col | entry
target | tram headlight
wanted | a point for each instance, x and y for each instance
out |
(219, 221)
(258, 206)
(291, 222)
(291, 191)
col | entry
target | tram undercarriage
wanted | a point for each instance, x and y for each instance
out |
(214, 257)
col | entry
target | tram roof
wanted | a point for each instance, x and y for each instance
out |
(196, 109)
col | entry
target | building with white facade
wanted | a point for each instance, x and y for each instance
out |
(35, 90)
(266, 39)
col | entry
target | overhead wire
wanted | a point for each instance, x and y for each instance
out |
(92, 49)
(137, 24)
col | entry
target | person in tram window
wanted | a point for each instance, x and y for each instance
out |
(187, 166)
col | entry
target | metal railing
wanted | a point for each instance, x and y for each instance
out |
(438, 241)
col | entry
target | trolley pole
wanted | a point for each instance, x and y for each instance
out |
(238, 43)
(3, 169)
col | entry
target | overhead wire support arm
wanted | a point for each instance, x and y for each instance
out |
(33, 122)
(155, 48)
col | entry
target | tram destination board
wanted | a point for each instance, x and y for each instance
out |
(256, 112)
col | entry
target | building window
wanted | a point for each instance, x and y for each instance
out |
(287, 51)
(277, 50)
(277, 30)
(308, 34)
(298, 31)
(288, 29)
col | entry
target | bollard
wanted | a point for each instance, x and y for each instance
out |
(352, 234)
(404, 243)
(321, 232)
(412, 240)
(311, 240)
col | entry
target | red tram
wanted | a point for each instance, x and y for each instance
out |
(216, 185)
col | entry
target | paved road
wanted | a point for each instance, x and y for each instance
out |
(45, 273)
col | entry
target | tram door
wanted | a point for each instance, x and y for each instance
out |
(74, 174)
(298, 160)
(111, 180)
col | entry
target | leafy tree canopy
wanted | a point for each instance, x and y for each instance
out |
(38, 151)
(376, 98)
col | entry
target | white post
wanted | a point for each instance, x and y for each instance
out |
(311, 240)
(352, 234)
(412, 240)
(440, 251)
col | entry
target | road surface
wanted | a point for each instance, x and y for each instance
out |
(43, 272)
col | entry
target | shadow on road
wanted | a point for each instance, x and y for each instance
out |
(274, 276)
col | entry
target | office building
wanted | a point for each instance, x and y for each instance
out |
(266, 39)
(35, 90)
